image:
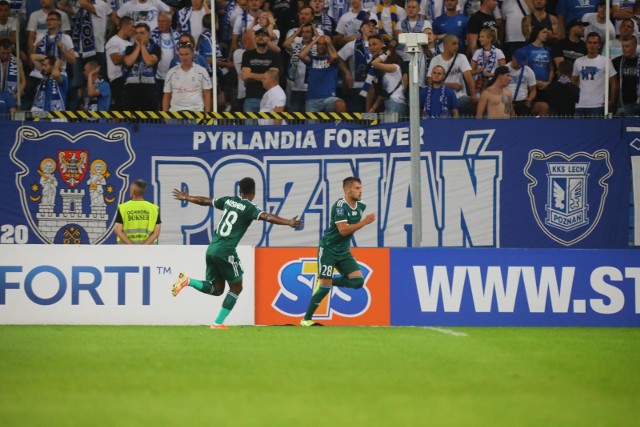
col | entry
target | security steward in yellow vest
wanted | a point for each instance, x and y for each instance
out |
(138, 221)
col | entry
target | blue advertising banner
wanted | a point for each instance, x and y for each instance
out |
(514, 287)
(486, 183)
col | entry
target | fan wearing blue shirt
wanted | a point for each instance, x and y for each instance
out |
(452, 22)
(323, 77)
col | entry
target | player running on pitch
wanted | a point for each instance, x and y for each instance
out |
(333, 250)
(222, 259)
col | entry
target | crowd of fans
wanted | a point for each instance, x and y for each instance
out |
(484, 58)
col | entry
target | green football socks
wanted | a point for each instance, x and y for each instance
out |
(318, 295)
(346, 282)
(227, 305)
(204, 287)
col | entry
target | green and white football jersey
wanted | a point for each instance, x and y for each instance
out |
(341, 211)
(236, 219)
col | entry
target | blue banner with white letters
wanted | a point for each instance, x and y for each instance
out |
(485, 183)
(514, 287)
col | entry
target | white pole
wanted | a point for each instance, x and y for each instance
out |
(214, 48)
(414, 132)
(412, 43)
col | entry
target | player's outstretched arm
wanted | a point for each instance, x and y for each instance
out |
(275, 219)
(346, 229)
(198, 200)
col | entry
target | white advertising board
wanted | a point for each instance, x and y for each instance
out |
(112, 285)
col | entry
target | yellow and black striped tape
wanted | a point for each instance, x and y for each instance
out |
(206, 117)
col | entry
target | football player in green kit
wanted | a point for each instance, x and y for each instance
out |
(222, 259)
(333, 250)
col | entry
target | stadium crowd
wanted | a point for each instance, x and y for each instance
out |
(320, 55)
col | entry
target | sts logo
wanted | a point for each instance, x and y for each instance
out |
(297, 280)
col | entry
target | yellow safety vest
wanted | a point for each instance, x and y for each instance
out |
(138, 220)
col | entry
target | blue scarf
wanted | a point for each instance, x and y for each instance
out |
(184, 16)
(416, 29)
(444, 107)
(156, 37)
(91, 103)
(338, 7)
(488, 62)
(10, 82)
(520, 76)
(362, 58)
(489, 65)
(326, 26)
(294, 60)
(372, 77)
(225, 25)
(143, 73)
(49, 90)
(16, 5)
(49, 45)
(83, 39)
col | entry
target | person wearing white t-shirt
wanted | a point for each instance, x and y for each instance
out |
(392, 84)
(514, 12)
(523, 86)
(100, 13)
(388, 24)
(189, 19)
(348, 27)
(357, 55)
(167, 38)
(145, 11)
(297, 69)
(244, 22)
(589, 75)
(599, 23)
(37, 24)
(7, 23)
(88, 42)
(458, 73)
(54, 43)
(274, 99)
(621, 9)
(187, 86)
(413, 23)
(115, 48)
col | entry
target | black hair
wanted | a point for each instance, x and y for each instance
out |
(536, 30)
(565, 68)
(56, 14)
(206, 21)
(348, 182)
(143, 25)
(124, 20)
(247, 186)
(594, 34)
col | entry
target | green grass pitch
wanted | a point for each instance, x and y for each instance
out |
(333, 376)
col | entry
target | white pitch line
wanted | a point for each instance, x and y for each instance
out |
(448, 332)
